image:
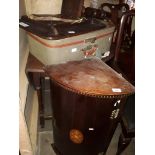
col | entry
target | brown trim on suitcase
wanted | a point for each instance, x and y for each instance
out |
(67, 44)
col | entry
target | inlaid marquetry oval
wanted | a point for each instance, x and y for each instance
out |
(76, 136)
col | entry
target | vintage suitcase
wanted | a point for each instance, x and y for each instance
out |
(87, 99)
(54, 40)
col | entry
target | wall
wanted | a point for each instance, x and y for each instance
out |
(43, 6)
(54, 6)
(46, 6)
(27, 118)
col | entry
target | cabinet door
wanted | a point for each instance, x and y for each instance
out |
(91, 120)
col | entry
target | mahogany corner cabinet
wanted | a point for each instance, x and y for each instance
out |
(87, 99)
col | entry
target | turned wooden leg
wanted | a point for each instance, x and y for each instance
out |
(122, 144)
(36, 80)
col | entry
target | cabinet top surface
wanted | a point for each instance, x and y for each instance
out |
(89, 76)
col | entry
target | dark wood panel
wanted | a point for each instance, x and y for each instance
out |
(88, 115)
(72, 8)
(83, 124)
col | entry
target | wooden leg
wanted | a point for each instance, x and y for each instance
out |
(36, 81)
(41, 109)
(122, 144)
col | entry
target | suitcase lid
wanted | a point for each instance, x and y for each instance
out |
(90, 77)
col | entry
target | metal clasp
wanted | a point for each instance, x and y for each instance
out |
(114, 114)
(90, 40)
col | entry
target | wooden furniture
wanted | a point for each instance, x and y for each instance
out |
(124, 63)
(87, 99)
(116, 11)
(97, 112)
(37, 77)
(127, 124)
(72, 9)
(96, 13)
(124, 59)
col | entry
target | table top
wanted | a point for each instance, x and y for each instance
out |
(34, 65)
(89, 76)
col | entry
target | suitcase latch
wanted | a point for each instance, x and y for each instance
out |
(90, 40)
